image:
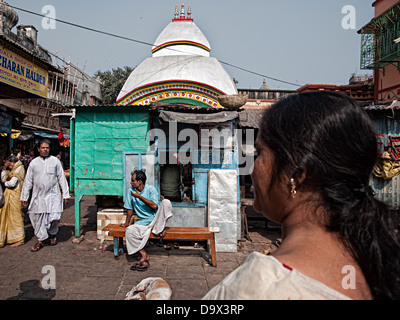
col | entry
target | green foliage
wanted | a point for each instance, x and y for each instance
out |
(112, 82)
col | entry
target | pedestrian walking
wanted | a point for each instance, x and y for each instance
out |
(316, 154)
(45, 177)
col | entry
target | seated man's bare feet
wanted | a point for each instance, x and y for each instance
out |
(162, 234)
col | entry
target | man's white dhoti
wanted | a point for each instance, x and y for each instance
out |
(136, 236)
(45, 224)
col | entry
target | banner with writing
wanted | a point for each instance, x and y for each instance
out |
(22, 73)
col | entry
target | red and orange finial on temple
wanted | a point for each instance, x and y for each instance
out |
(176, 13)
(182, 16)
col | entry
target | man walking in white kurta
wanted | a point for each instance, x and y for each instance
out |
(45, 177)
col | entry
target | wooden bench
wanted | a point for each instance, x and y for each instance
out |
(173, 233)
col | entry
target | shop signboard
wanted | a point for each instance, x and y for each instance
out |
(22, 73)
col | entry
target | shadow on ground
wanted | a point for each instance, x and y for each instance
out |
(31, 290)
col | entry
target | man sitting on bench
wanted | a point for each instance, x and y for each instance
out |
(143, 199)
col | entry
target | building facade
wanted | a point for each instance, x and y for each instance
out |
(380, 50)
(259, 99)
(33, 87)
(360, 88)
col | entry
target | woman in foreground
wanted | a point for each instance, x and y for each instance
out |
(316, 153)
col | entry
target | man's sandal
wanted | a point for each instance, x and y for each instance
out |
(39, 245)
(53, 240)
(141, 266)
(135, 264)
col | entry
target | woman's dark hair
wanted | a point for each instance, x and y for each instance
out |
(140, 175)
(12, 158)
(331, 139)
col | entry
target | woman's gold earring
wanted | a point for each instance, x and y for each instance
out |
(292, 188)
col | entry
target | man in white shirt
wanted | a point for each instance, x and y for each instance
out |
(45, 177)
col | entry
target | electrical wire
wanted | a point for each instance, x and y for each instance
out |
(258, 74)
(82, 27)
(145, 43)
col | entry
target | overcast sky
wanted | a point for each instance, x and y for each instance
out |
(297, 41)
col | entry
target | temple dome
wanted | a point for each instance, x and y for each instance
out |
(179, 71)
(181, 38)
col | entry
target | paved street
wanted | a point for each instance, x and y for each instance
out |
(86, 271)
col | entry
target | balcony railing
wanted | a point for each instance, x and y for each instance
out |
(378, 48)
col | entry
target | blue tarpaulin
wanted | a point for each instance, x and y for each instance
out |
(48, 135)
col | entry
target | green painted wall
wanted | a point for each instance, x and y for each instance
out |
(101, 134)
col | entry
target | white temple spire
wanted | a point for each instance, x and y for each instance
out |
(183, 11)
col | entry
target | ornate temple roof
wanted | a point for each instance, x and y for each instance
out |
(180, 69)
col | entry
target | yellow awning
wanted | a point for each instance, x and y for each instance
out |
(15, 133)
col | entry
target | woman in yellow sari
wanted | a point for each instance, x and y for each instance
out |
(11, 215)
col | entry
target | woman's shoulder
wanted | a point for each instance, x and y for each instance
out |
(20, 168)
(251, 280)
(264, 277)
